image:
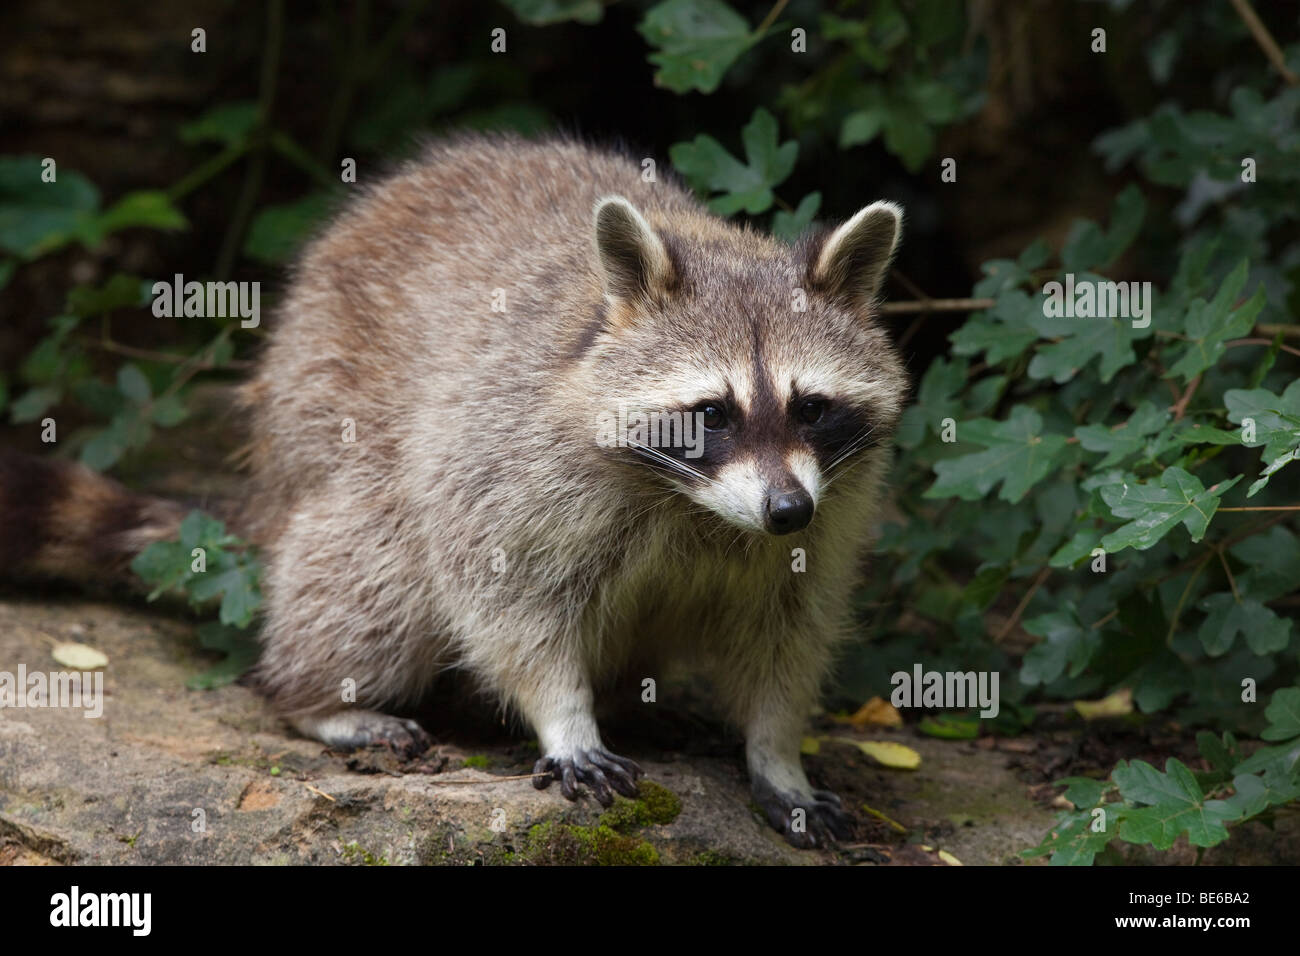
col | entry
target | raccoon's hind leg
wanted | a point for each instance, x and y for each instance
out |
(338, 642)
(353, 729)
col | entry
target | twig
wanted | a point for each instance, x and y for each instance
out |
(321, 793)
(939, 305)
(1180, 407)
(1024, 603)
(1264, 39)
(1178, 610)
(1236, 595)
(522, 776)
(1288, 331)
(771, 17)
(108, 345)
(1285, 348)
(252, 187)
(1105, 619)
(1266, 508)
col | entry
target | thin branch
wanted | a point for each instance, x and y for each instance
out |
(1285, 348)
(1182, 600)
(1264, 39)
(1236, 595)
(1265, 508)
(939, 305)
(1180, 407)
(771, 17)
(1288, 331)
(1020, 608)
(108, 345)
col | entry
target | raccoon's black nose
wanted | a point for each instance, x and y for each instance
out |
(789, 511)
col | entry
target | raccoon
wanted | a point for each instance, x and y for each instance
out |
(451, 466)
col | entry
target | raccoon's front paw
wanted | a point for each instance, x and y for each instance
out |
(822, 821)
(599, 769)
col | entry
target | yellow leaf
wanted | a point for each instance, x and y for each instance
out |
(876, 712)
(949, 858)
(888, 753)
(79, 657)
(809, 746)
(880, 816)
(1116, 705)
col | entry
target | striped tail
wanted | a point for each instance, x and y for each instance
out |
(61, 521)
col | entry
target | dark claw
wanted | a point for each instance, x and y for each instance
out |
(824, 819)
(601, 771)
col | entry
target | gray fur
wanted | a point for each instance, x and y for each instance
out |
(474, 432)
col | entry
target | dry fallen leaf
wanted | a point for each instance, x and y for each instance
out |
(887, 753)
(1116, 705)
(950, 859)
(79, 656)
(876, 712)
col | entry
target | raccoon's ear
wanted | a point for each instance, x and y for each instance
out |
(854, 259)
(633, 260)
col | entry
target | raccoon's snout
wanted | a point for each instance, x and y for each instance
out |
(788, 511)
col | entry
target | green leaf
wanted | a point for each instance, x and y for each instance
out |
(1018, 456)
(1283, 715)
(37, 217)
(1066, 641)
(1080, 546)
(239, 592)
(278, 231)
(1265, 632)
(1002, 332)
(985, 586)
(33, 403)
(228, 124)
(1087, 247)
(541, 13)
(150, 209)
(241, 650)
(936, 399)
(1176, 806)
(748, 186)
(950, 727)
(1084, 792)
(118, 292)
(908, 139)
(168, 411)
(1158, 508)
(132, 383)
(791, 225)
(1073, 842)
(863, 125)
(1126, 439)
(1273, 557)
(106, 446)
(1277, 426)
(1256, 794)
(697, 40)
(1081, 338)
(1210, 325)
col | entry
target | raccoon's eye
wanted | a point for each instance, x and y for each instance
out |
(715, 416)
(811, 410)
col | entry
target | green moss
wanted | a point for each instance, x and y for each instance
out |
(564, 845)
(655, 803)
(478, 762)
(352, 853)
